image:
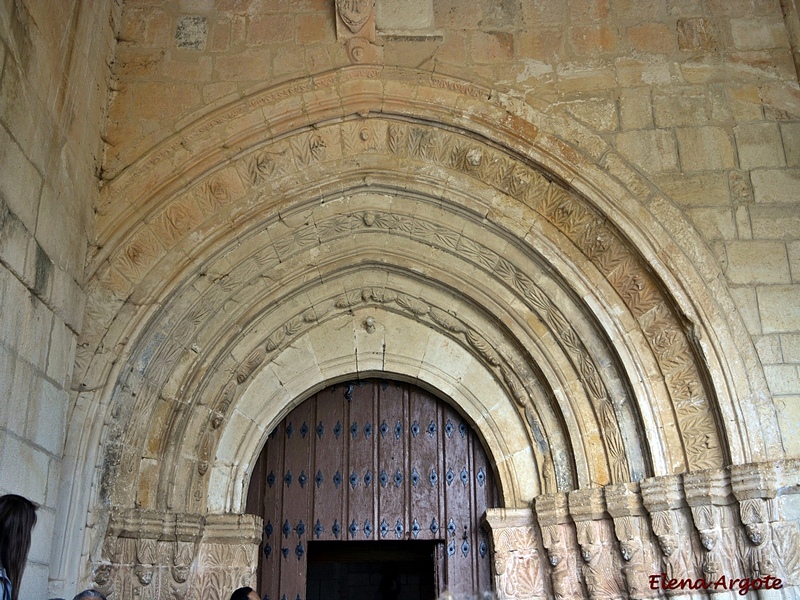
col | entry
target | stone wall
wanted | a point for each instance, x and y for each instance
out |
(683, 114)
(54, 66)
(701, 97)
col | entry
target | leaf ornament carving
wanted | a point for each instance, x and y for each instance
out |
(214, 194)
(457, 158)
(538, 299)
(226, 397)
(293, 325)
(685, 387)
(334, 227)
(699, 435)
(250, 364)
(787, 545)
(381, 295)
(380, 220)
(261, 167)
(446, 321)
(591, 379)
(602, 247)
(442, 236)
(160, 368)
(638, 291)
(535, 190)
(138, 255)
(358, 136)
(395, 138)
(517, 391)
(412, 305)
(553, 200)
(308, 149)
(484, 347)
(421, 142)
(301, 238)
(275, 339)
(178, 219)
(477, 253)
(348, 299)
(556, 320)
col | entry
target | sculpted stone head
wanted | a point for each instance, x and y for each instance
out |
(755, 533)
(708, 540)
(667, 544)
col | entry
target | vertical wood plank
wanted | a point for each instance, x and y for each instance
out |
(387, 459)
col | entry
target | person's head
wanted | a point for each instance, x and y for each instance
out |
(17, 518)
(245, 593)
(89, 595)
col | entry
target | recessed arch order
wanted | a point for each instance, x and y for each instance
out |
(512, 262)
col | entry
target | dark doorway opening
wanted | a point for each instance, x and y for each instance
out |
(380, 570)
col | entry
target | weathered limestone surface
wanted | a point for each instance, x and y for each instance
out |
(54, 67)
(586, 211)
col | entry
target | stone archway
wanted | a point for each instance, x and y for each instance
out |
(550, 293)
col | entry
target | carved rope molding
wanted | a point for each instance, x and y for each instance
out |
(597, 240)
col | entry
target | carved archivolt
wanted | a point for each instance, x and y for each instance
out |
(171, 308)
(261, 173)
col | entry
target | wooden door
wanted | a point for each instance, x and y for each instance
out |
(372, 460)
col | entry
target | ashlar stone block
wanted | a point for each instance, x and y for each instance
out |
(758, 33)
(635, 107)
(779, 307)
(23, 468)
(757, 262)
(705, 149)
(775, 222)
(790, 347)
(776, 185)
(696, 34)
(191, 32)
(746, 301)
(714, 223)
(653, 150)
(782, 379)
(769, 349)
(759, 145)
(680, 109)
(790, 134)
(794, 261)
(788, 408)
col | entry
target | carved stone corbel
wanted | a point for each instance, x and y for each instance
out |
(601, 568)
(671, 522)
(624, 502)
(355, 26)
(517, 567)
(767, 550)
(713, 507)
(558, 538)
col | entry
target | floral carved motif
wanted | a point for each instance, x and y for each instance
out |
(590, 231)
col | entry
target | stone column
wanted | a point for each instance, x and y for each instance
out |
(227, 558)
(671, 522)
(624, 503)
(601, 569)
(517, 566)
(558, 538)
(715, 517)
(150, 554)
(770, 545)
